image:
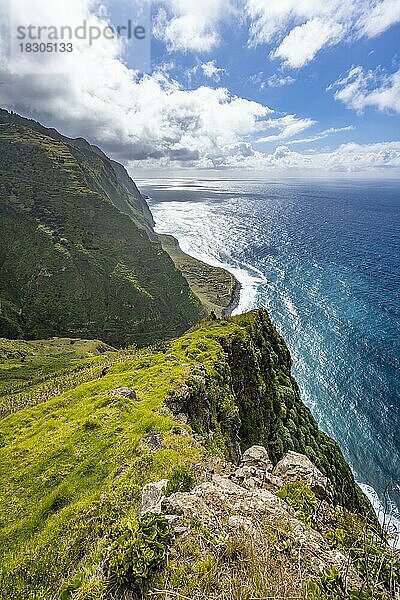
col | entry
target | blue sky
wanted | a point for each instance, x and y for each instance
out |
(248, 70)
(283, 85)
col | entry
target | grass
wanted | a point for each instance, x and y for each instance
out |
(58, 462)
(74, 460)
(232, 565)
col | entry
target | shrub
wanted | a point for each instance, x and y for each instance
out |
(368, 549)
(300, 498)
(139, 550)
(329, 586)
(182, 480)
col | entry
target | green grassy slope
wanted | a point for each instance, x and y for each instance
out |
(78, 254)
(73, 462)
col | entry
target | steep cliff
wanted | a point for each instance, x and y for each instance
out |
(78, 444)
(78, 253)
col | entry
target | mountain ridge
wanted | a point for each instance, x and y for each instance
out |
(78, 240)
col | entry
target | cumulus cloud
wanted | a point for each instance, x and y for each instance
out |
(349, 158)
(295, 29)
(91, 92)
(185, 25)
(299, 29)
(286, 127)
(359, 90)
(150, 119)
(355, 158)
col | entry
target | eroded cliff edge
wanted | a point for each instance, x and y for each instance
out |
(79, 443)
(248, 396)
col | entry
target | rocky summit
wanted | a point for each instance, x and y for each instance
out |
(238, 504)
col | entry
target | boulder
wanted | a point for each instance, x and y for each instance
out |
(154, 441)
(252, 478)
(256, 456)
(124, 392)
(298, 467)
(152, 496)
(255, 470)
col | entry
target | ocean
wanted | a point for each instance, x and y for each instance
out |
(323, 258)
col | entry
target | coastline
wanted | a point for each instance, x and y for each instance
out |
(235, 299)
(217, 288)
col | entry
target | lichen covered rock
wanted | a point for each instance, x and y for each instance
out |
(222, 505)
(298, 467)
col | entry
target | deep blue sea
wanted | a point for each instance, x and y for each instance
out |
(324, 259)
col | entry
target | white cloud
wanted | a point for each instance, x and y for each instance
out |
(278, 80)
(356, 158)
(359, 90)
(353, 159)
(299, 29)
(321, 135)
(286, 127)
(92, 93)
(303, 42)
(151, 120)
(295, 30)
(379, 18)
(208, 69)
(211, 70)
(188, 25)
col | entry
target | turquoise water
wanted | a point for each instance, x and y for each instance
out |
(323, 258)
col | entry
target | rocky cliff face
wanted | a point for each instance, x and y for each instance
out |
(250, 397)
(245, 520)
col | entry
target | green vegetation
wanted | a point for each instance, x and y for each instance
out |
(78, 253)
(181, 480)
(331, 586)
(139, 550)
(299, 497)
(250, 387)
(231, 566)
(367, 546)
(213, 285)
(75, 457)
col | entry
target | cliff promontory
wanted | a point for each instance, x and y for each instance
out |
(188, 469)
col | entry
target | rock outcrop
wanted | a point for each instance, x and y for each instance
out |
(124, 392)
(298, 467)
(249, 397)
(243, 500)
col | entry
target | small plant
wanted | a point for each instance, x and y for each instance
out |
(330, 586)
(139, 550)
(182, 480)
(300, 498)
(368, 549)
